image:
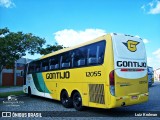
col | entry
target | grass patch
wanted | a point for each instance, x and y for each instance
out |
(6, 94)
(9, 86)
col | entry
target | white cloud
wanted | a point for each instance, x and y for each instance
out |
(70, 37)
(157, 53)
(143, 7)
(156, 9)
(145, 41)
(152, 7)
(151, 4)
(154, 60)
(149, 60)
(7, 3)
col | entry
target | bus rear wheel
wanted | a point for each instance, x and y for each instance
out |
(77, 101)
(66, 100)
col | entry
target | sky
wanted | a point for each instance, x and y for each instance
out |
(70, 22)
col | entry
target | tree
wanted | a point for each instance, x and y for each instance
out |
(50, 48)
(14, 45)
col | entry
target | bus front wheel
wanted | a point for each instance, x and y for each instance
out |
(29, 92)
(77, 101)
(66, 100)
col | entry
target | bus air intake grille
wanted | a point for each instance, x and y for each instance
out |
(96, 93)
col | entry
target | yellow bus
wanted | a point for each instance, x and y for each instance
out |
(107, 72)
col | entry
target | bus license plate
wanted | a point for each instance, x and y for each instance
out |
(134, 97)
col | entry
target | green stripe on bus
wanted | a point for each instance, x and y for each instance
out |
(43, 85)
(39, 82)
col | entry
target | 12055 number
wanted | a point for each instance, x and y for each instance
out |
(93, 74)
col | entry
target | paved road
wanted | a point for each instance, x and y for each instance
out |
(52, 108)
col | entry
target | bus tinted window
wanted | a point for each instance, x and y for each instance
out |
(45, 65)
(80, 57)
(88, 55)
(65, 60)
(100, 51)
(54, 62)
(92, 54)
(37, 66)
(31, 67)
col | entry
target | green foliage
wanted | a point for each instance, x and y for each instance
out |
(6, 94)
(14, 45)
(50, 48)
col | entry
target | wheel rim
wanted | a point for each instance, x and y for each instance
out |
(77, 101)
(64, 99)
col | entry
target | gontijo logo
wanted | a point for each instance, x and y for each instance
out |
(131, 45)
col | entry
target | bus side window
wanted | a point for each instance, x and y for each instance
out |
(31, 68)
(66, 60)
(38, 66)
(81, 62)
(99, 49)
(91, 54)
(92, 60)
(45, 64)
(72, 54)
(95, 53)
(100, 52)
(80, 57)
(54, 63)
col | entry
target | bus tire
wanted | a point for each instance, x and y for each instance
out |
(77, 101)
(66, 100)
(29, 92)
